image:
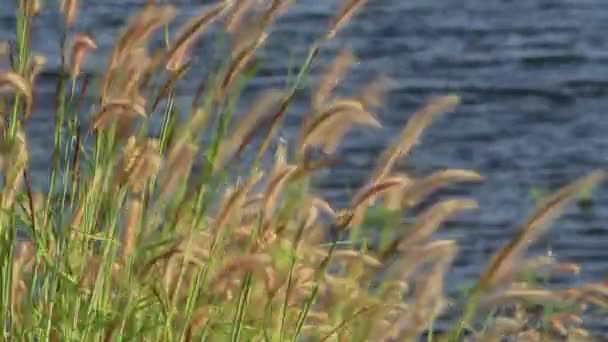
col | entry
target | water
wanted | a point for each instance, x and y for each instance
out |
(532, 75)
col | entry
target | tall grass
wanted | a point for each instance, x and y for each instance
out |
(127, 243)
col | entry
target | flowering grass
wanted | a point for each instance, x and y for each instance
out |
(128, 243)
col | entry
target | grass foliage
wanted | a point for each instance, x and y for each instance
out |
(150, 234)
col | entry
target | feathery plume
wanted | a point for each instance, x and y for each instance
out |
(346, 12)
(368, 193)
(141, 161)
(332, 77)
(329, 127)
(275, 185)
(418, 190)
(526, 296)
(134, 214)
(140, 28)
(372, 95)
(238, 64)
(16, 161)
(37, 63)
(13, 81)
(178, 167)
(246, 127)
(134, 39)
(239, 9)
(428, 222)
(410, 135)
(533, 227)
(81, 45)
(115, 110)
(233, 268)
(70, 11)
(392, 197)
(233, 201)
(193, 29)
(352, 255)
(277, 8)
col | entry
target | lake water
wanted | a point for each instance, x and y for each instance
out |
(533, 76)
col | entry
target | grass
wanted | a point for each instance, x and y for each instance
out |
(128, 243)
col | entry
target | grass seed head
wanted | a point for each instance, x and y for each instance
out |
(81, 45)
(70, 11)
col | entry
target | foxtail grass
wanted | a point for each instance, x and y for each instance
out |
(148, 233)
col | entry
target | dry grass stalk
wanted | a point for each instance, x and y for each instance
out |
(239, 63)
(134, 215)
(275, 186)
(239, 9)
(367, 195)
(38, 203)
(169, 87)
(329, 127)
(429, 221)
(243, 39)
(277, 8)
(14, 82)
(134, 38)
(35, 7)
(427, 224)
(332, 77)
(404, 267)
(352, 255)
(36, 65)
(391, 199)
(412, 132)
(191, 31)
(22, 263)
(141, 161)
(81, 45)
(315, 205)
(323, 205)
(524, 296)
(178, 167)
(233, 201)
(533, 227)
(15, 163)
(428, 297)
(541, 264)
(130, 74)
(70, 11)
(140, 28)
(115, 110)
(372, 95)
(346, 12)
(418, 190)
(280, 157)
(246, 127)
(233, 269)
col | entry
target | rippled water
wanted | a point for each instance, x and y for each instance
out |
(532, 74)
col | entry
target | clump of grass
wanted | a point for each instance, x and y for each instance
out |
(127, 243)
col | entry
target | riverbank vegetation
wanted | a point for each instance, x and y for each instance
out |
(153, 227)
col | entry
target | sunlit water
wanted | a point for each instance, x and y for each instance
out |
(532, 75)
